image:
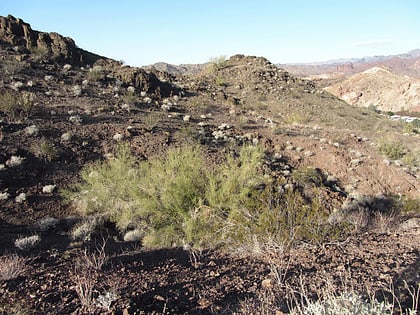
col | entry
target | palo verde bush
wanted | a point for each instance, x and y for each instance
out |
(178, 199)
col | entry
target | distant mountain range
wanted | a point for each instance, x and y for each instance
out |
(405, 64)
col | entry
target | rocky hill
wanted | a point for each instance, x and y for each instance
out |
(17, 33)
(379, 88)
(318, 178)
(388, 83)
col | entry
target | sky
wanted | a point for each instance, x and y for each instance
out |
(141, 32)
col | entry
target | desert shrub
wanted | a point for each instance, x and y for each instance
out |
(171, 188)
(178, 199)
(84, 230)
(45, 150)
(12, 266)
(217, 63)
(152, 119)
(410, 206)
(130, 98)
(346, 303)
(298, 118)
(40, 53)
(156, 194)
(96, 74)
(9, 102)
(16, 105)
(416, 123)
(393, 150)
(220, 81)
(28, 242)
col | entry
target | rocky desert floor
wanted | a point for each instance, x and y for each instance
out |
(78, 115)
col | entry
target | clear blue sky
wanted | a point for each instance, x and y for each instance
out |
(192, 31)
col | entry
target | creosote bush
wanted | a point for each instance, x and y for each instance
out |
(179, 199)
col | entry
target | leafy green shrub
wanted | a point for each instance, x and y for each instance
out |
(179, 199)
(392, 150)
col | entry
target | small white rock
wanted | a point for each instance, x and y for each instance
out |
(32, 130)
(77, 90)
(66, 136)
(15, 161)
(48, 189)
(118, 137)
(187, 118)
(4, 196)
(75, 119)
(133, 236)
(20, 198)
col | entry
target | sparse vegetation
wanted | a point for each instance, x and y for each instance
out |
(40, 53)
(12, 266)
(218, 63)
(45, 150)
(261, 222)
(27, 242)
(298, 118)
(392, 149)
(96, 74)
(16, 105)
(345, 303)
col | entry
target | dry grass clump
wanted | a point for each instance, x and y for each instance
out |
(16, 105)
(12, 266)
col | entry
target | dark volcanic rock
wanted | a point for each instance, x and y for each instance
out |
(55, 47)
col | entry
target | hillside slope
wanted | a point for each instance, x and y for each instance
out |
(325, 163)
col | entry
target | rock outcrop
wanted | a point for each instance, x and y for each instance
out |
(43, 48)
(51, 46)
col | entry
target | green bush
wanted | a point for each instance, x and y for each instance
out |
(392, 150)
(179, 199)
